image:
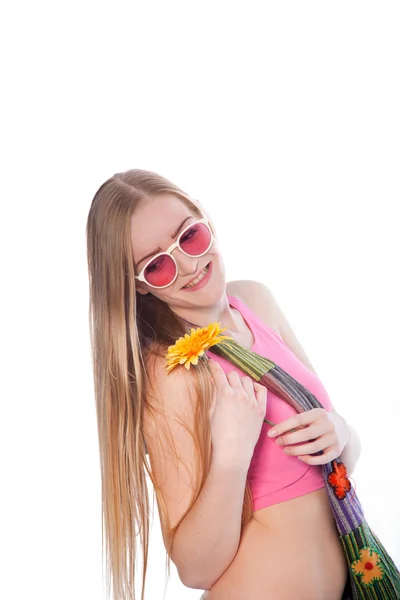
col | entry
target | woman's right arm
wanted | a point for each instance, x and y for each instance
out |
(207, 540)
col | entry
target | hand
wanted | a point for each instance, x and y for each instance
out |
(236, 415)
(324, 431)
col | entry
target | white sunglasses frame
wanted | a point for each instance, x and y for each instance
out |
(169, 251)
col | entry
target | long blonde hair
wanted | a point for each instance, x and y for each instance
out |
(126, 330)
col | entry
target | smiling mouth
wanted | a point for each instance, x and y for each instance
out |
(198, 278)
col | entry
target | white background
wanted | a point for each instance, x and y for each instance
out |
(283, 119)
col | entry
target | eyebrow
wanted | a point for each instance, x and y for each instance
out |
(159, 249)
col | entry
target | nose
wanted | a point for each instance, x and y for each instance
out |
(187, 265)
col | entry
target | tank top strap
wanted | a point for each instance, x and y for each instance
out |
(253, 321)
(244, 310)
(239, 305)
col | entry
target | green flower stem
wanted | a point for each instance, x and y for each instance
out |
(271, 423)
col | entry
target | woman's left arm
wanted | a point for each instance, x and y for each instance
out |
(346, 443)
(352, 444)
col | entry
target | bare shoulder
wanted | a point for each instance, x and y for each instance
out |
(258, 297)
(167, 389)
(262, 301)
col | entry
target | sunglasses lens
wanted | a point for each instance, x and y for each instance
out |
(161, 271)
(196, 240)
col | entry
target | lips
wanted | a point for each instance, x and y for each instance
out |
(193, 278)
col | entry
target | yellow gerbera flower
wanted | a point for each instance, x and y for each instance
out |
(368, 566)
(188, 349)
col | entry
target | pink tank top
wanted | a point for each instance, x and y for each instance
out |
(274, 476)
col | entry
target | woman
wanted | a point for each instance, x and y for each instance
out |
(244, 515)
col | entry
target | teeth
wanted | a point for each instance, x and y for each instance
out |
(199, 278)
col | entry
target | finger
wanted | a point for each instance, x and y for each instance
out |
(304, 418)
(247, 384)
(258, 387)
(303, 434)
(321, 443)
(261, 394)
(234, 379)
(325, 458)
(218, 375)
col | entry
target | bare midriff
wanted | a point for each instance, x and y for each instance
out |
(288, 551)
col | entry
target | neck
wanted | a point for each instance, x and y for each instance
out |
(218, 313)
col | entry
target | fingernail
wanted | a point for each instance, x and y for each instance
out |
(272, 432)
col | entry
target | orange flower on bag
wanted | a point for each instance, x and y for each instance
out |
(338, 480)
(368, 566)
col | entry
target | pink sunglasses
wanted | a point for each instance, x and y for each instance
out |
(162, 270)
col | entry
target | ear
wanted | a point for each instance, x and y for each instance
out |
(141, 291)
